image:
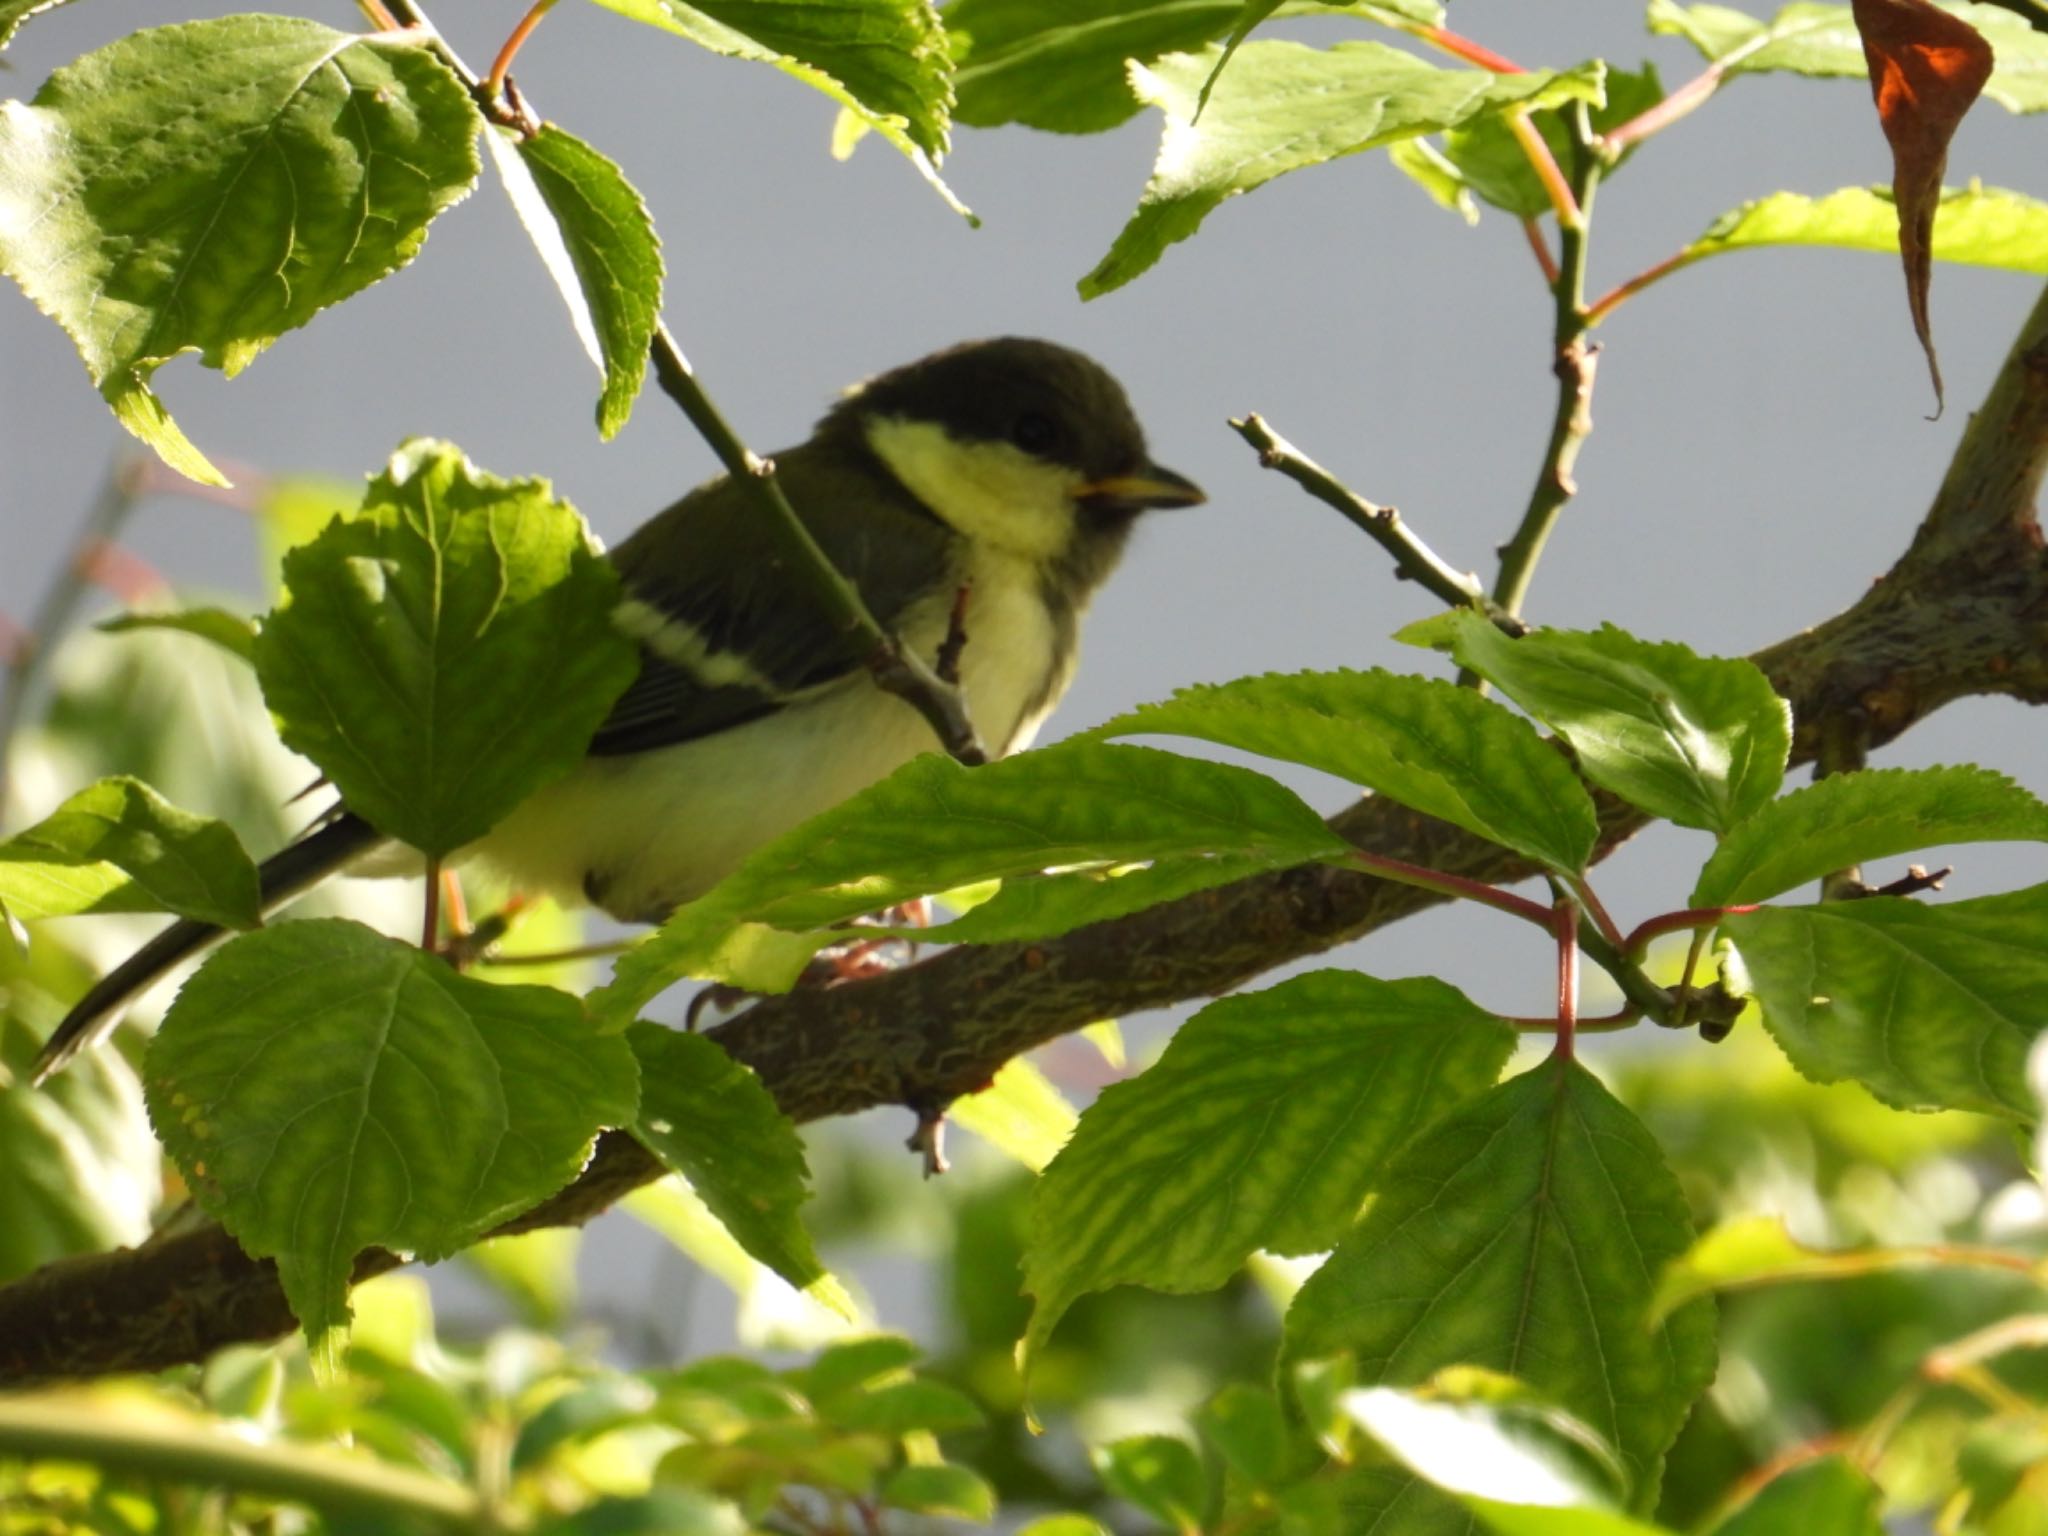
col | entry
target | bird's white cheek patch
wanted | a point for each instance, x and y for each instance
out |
(991, 492)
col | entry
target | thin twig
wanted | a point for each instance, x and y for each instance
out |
(1684, 101)
(1564, 199)
(1573, 365)
(894, 669)
(1565, 924)
(1401, 870)
(1539, 247)
(1618, 295)
(501, 66)
(1413, 559)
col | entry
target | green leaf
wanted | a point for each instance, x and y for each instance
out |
(854, 1365)
(1060, 64)
(1828, 1496)
(14, 12)
(1852, 817)
(1490, 161)
(886, 61)
(1758, 1251)
(1694, 739)
(1434, 747)
(448, 650)
(1524, 1233)
(119, 846)
(1020, 1113)
(597, 241)
(1264, 1125)
(1158, 1473)
(1040, 906)
(1248, 1428)
(209, 186)
(83, 1171)
(906, 1407)
(1929, 1007)
(1281, 107)
(397, 1103)
(1064, 1525)
(932, 825)
(1976, 226)
(1821, 40)
(1428, 167)
(232, 632)
(1567, 1520)
(944, 1490)
(1495, 1445)
(709, 1119)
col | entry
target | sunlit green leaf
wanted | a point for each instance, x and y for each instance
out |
(1698, 740)
(119, 846)
(1490, 160)
(1434, 747)
(933, 825)
(209, 186)
(1812, 39)
(1281, 107)
(1042, 906)
(1059, 64)
(885, 61)
(906, 1407)
(597, 241)
(446, 651)
(1263, 1126)
(1976, 226)
(397, 1105)
(232, 632)
(1020, 1112)
(1853, 817)
(709, 1119)
(1524, 1232)
(945, 1490)
(14, 12)
(1929, 1007)
(1495, 1446)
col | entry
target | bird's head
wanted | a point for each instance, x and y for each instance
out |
(1019, 445)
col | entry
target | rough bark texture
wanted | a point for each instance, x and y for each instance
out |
(1964, 612)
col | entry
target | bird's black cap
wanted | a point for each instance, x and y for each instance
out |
(1045, 399)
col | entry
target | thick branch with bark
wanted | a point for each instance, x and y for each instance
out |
(1964, 612)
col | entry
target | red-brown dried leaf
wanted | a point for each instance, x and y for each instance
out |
(1926, 68)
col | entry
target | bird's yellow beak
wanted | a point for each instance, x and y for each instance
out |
(1151, 485)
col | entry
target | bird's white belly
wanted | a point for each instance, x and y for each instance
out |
(641, 834)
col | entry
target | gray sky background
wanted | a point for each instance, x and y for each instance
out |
(1760, 454)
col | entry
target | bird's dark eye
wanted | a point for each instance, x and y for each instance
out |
(1034, 432)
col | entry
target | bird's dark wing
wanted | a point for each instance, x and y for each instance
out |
(738, 635)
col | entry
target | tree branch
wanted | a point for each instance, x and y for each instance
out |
(1964, 612)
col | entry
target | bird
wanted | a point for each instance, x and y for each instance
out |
(997, 479)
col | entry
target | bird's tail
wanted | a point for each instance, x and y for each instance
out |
(283, 875)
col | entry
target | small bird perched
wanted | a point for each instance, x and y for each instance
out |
(1010, 469)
